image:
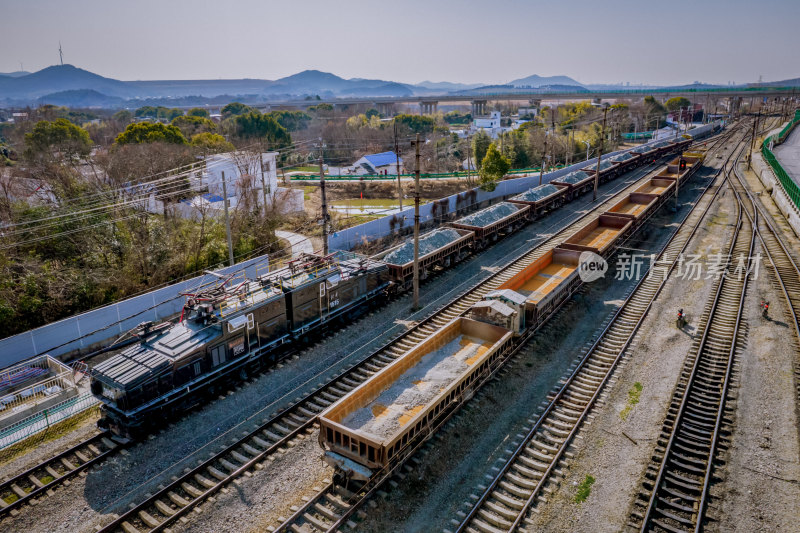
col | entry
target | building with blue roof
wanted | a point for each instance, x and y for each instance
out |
(376, 164)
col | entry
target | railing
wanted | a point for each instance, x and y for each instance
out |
(789, 186)
(42, 421)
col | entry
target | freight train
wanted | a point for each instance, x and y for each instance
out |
(378, 424)
(235, 327)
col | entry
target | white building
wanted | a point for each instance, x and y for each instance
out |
(490, 124)
(383, 163)
(251, 179)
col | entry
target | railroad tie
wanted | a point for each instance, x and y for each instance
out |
(147, 519)
(82, 457)
(324, 511)
(163, 508)
(191, 490)
(230, 467)
(35, 481)
(67, 464)
(272, 436)
(128, 528)
(317, 523)
(110, 444)
(207, 483)
(177, 499)
(216, 473)
(250, 450)
(260, 442)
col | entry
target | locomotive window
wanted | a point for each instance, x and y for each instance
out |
(198, 367)
(362, 449)
(371, 453)
(251, 323)
(218, 355)
(322, 289)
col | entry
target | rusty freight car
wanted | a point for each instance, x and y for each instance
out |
(375, 424)
(600, 235)
(542, 199)
(492, 222)
(438, 248)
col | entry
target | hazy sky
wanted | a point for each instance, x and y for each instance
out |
(489, 41)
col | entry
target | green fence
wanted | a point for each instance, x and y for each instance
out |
(789, 186)
(441, 175)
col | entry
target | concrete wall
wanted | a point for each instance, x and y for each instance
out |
(88, 331)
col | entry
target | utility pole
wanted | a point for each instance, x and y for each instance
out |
(416, 227)
(324, 203)
(544, 158)
(397, 170)
(469, 162)
(227, 220)
(753, 140)
(263, 184)
(600, 155)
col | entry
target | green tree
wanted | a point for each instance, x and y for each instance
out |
(416, 123)
(59, 138)
(253, 125)
(480, 144)
(372, 112)
(674, 104)
(197, 112)
(123, 116)
(148, 132)
(493, 167)
(235, 108)
(291, 120)
(191, 125)
(211, 143)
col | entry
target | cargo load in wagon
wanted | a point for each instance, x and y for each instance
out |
(491, 220)
(599, 235)
(378, 419)
(428, 244)
(546, 280)
(657, 186)
(573, 179)
(634, 206)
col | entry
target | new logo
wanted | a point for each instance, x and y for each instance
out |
(591, 267)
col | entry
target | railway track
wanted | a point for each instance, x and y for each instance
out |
(249, 452)
(675, 492)
(39, 480)
(11, 500)
(516, 488)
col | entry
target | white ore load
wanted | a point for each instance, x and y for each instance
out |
(573, 177)
(537, 193)
(490, 215)
(427, 244)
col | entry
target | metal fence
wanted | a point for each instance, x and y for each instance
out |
(40, 423)
(788, 184)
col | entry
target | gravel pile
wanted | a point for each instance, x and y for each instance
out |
(537, 193)
(624, 156)
(573, 177)
(427, 244)
(387, 414)
(490, 215)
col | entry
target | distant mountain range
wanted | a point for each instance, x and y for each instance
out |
(72, 86)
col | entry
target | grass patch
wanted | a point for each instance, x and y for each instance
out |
(11, 498)
(307, 191)
(584, 489)
(46, 480)
(633, 398)
(55, 431)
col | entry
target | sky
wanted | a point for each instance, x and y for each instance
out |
(611, 41)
